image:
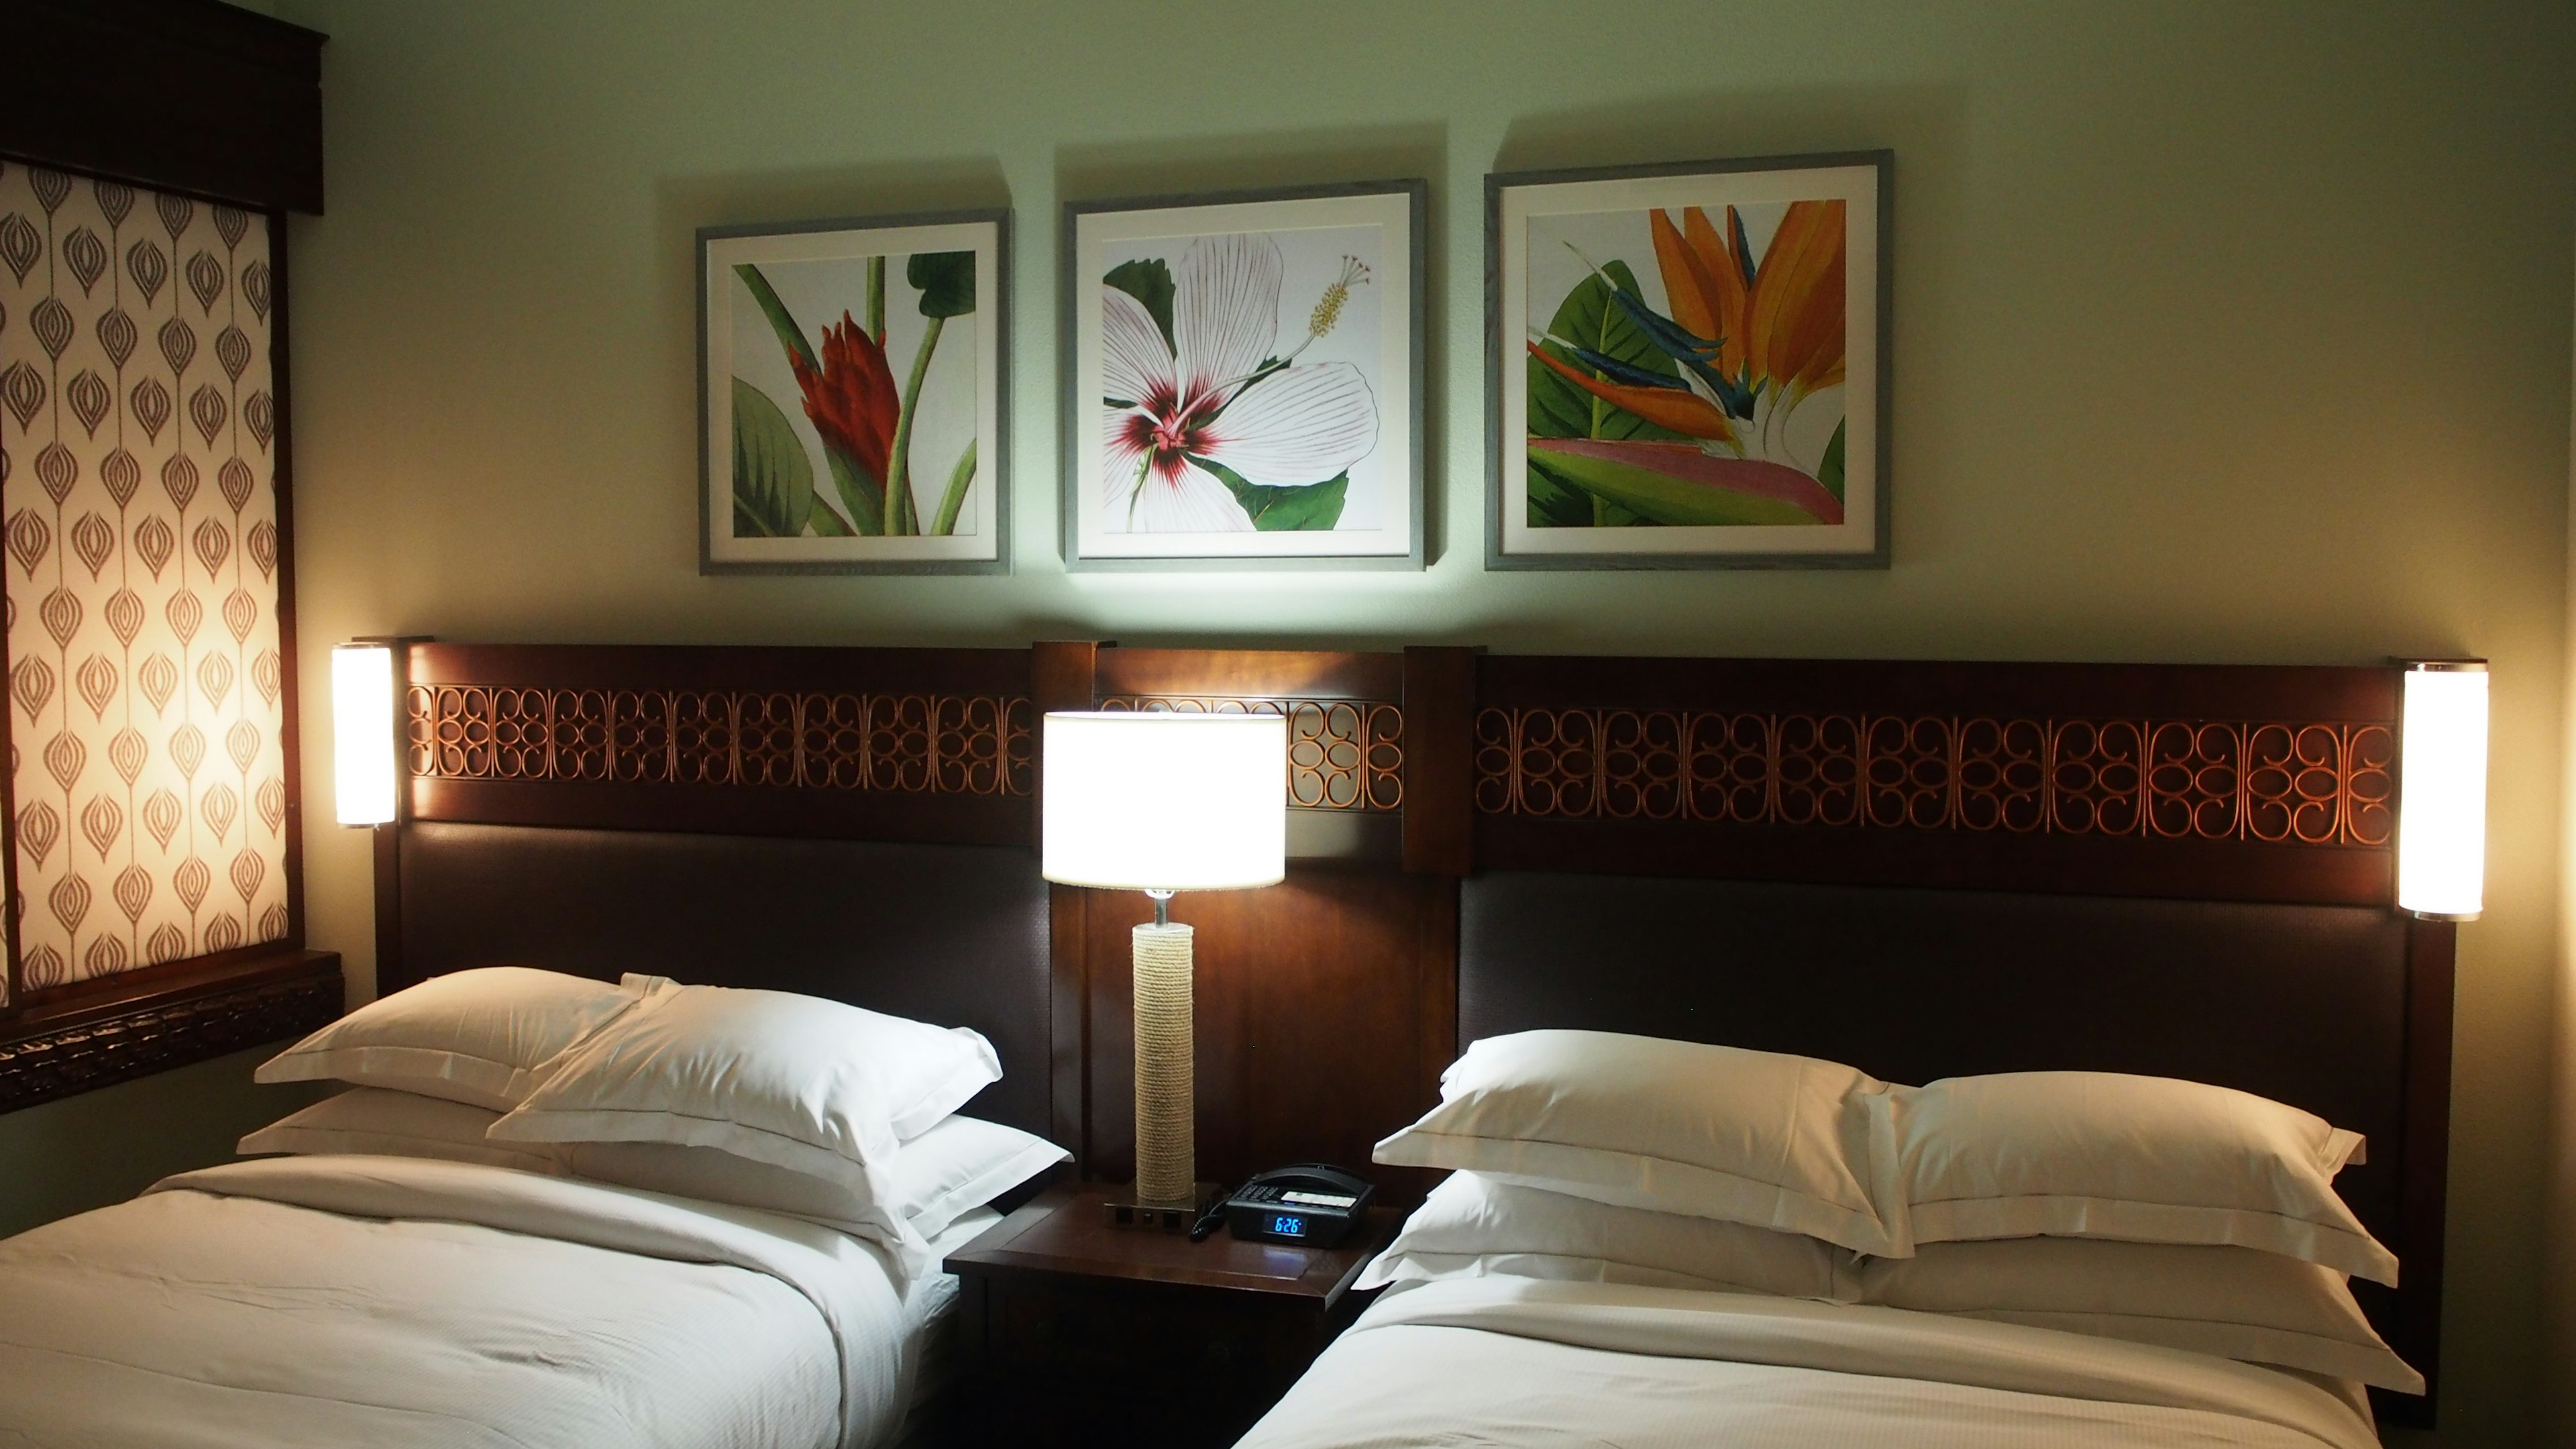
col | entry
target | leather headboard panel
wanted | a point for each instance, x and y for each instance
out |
(950, 934)
(2302, 1004)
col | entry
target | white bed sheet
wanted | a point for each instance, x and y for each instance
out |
(343, 1300)
(1510, 1362)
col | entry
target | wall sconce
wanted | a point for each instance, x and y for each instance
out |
(362, 732)
(2442, 774)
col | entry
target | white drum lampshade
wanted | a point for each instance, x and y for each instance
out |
(1162, 802)
(2442, 774)
(1168, 802)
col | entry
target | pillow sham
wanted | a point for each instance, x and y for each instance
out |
(474, 1036)
(2105, 1155)
(817, 1087)
(2237, 1303)
(959, 1165)
(396, 1124)
(1474, 1226)
(1758, 1138)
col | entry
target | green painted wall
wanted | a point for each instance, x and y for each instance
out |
(2223, 332)
(104, 1146)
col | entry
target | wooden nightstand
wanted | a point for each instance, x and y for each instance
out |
(1079, 1333)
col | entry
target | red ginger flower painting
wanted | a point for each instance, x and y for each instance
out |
(851, 400)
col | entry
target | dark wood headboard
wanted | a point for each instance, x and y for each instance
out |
(1924, 869)
(1938, 869)
(846, 823)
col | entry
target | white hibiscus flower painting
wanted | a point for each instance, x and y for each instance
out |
(1247, 391)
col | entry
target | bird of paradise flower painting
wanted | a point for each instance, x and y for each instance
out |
(855, 402)
(1239, 405)
(1687, 366)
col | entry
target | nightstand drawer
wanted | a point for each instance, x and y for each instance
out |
(1115, 1328)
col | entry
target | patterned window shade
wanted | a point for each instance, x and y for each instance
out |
(138, 420)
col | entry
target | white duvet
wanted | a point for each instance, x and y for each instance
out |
(1512, 1362)
(381, 1301)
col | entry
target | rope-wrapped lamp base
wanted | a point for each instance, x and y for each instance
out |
(1166, 1163)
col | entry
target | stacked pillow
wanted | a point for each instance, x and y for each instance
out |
(2141, 1208)
(760, 1099)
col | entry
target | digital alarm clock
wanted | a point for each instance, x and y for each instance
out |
(1312, 1204)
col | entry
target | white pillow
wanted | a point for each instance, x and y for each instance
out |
(1710, 1131)
(2144, 1159)
(2232, 1302)
(813, 1086)
(471, 1036)
(1472, 1226)
(396, 1124)
(944, 1173)
(961, 1164)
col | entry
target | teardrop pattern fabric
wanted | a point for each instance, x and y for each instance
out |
(138, 508)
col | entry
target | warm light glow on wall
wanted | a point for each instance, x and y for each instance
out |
(362, 733)
(2442, 819)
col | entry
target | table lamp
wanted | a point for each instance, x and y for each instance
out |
(1163, 802)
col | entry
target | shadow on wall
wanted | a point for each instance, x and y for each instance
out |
(105, 1146)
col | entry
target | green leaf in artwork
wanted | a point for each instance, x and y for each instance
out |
(946, 280)
(862, 495)
(1149, 281)
(773, 480)
(1830, 471)
(952, 502)
(1662, 496)
(790, 336)
(1589, 319)
(1310, 509)
(1557, 408)
(828, 524)
(1554, 503)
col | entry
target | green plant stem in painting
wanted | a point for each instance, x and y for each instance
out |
(776, 311)
(951, 502)
(876, 300)
(902, 515)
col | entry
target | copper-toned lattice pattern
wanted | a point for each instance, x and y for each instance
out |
(2284, 783)
(138, 440)
(910, 743)
(1343, 754)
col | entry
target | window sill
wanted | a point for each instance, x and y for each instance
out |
(60, 1048)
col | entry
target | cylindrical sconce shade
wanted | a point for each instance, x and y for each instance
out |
(362, 733)
(2442, 819)
(1172, 802)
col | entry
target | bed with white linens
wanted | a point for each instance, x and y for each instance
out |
(547, 1210)
(1645, 1241)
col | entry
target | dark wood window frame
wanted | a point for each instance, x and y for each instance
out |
(210, 101)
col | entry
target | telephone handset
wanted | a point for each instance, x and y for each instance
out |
(1312, 1204)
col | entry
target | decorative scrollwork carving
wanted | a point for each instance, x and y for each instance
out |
(43, 1066)
(906, 743)
(1343, 754)
(2316, 783)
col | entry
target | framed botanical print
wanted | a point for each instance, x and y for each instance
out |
(1688, 365)
(1243, 380)
(850, 395)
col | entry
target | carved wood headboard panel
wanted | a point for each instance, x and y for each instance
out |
(2082, 784)
(2201, 782)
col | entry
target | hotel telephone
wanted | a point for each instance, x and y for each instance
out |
(1312, 1204)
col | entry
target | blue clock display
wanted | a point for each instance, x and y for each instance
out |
(1288, 1227)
